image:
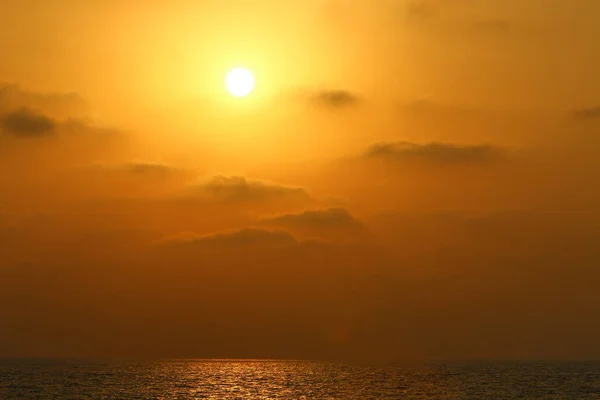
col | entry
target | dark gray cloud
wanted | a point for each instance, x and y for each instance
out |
(150, 168)
(336, 99)
(433, 152)
(141, 168)
(241, 189)
(332, 217)
(27, 123)
(247, 237)
(588, 113)
(333, 224)
(27, 114)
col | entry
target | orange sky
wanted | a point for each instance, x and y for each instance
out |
(410, 179)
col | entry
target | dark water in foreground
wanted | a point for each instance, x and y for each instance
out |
(64, 379)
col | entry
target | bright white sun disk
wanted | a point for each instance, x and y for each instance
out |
(240, 82)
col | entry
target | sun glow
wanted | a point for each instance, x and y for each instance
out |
(240, 82)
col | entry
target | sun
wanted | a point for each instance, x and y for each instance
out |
(240, 82)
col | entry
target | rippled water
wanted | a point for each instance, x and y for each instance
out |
(177, 379)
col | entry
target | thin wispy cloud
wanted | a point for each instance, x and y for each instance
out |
(433, 152)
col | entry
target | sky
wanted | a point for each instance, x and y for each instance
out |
(409, 180)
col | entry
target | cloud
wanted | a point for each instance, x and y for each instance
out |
(241, 189)
(332, 217)
(247, 238)
(57, 105)
(335, 99)
(75, 126)
(27, 123)
(433, 152)
(141, 168)
(27, 114)
(150, 169)
(588, 113)
(331, 224)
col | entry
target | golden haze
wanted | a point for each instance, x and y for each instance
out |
(408, 179)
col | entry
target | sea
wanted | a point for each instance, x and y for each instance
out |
(64, 379)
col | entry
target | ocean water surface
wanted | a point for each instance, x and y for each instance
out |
(234, 379)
